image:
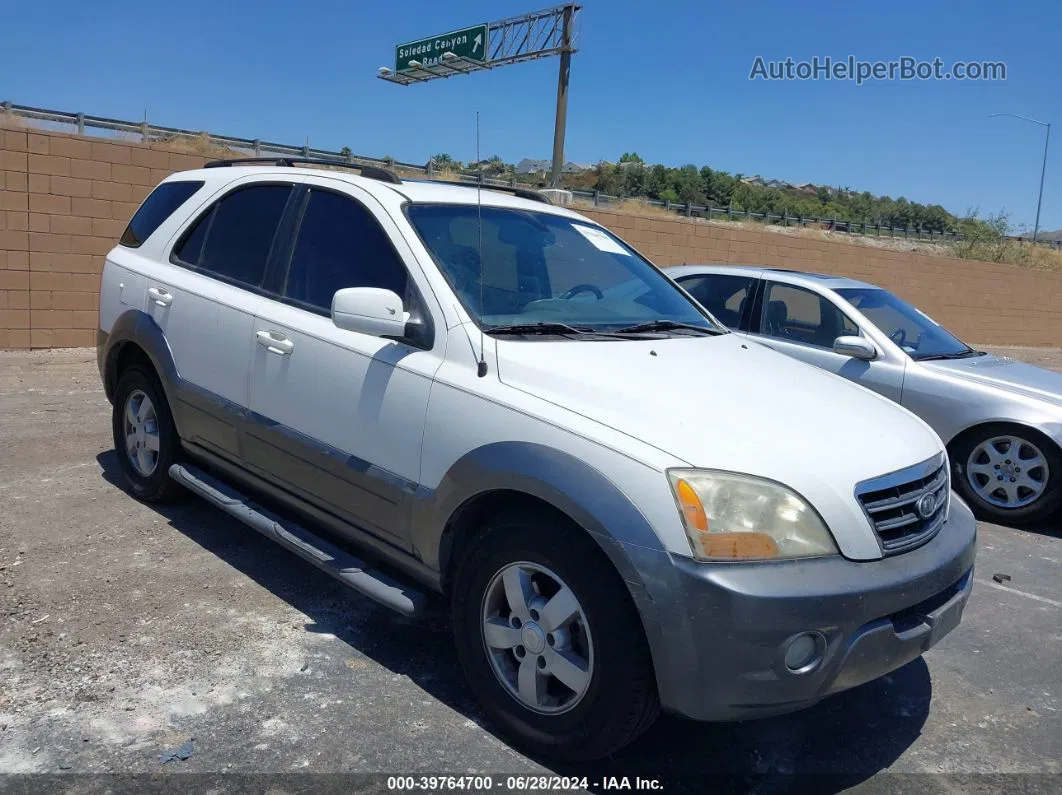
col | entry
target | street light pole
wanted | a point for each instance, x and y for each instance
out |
(1043, 168)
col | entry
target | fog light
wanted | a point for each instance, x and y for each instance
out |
(803, 652)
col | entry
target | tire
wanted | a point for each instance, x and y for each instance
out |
(145, 470)
(619, 700)
(985, 458)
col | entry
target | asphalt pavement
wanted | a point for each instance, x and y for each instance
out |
(132, 634)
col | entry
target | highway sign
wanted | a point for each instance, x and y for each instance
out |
(469, 43)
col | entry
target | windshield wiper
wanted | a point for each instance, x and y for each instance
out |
(669, 325)
(539, 328)
(555, 329)
(957, 355)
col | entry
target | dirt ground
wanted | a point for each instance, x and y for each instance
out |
(127, 629)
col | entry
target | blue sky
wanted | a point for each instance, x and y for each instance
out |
(668, 80)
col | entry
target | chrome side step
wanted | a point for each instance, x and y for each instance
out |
(349, 570)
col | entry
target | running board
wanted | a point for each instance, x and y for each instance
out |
(349, 570)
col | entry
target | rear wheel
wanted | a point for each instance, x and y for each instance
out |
(1009, 474)
(145, 437)
(550, 641)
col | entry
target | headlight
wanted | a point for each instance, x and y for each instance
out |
(728, 516)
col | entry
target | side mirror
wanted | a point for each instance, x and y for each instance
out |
(369, 310)
(855, 347)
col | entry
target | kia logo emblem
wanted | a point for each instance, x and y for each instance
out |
(926, 504)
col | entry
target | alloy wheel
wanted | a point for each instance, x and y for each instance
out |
(1007, 471)
(537, 638)
(141, 432)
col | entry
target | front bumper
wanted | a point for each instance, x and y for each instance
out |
(724, 627)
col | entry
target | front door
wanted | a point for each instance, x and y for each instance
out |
(339, 415)
(803, 324)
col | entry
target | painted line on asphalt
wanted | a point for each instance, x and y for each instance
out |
(999, 587)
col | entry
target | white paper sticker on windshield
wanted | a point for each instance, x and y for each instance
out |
(601, 241)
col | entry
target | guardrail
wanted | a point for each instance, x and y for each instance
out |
(144, 132)
(862, 228)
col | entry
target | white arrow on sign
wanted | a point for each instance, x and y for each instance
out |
(477, 41)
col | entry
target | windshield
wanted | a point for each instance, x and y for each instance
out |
(540, 268)
(910, 328)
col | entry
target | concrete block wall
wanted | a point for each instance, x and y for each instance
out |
(64, 201)
(981, 302)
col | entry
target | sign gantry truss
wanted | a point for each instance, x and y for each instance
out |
(540, 34)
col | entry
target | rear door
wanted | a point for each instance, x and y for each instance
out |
(727, 296)
(205, 300)
(803, 323)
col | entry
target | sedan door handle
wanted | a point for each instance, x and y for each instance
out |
(160, 296)
(275, 342)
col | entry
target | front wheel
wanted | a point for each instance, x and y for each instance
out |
(550, 641)
(1009, 474)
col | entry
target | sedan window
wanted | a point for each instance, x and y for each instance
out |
(722, 294)
(800, 315)
(913, 330)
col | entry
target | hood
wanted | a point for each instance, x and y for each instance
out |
(724, 403)
(1008, 374)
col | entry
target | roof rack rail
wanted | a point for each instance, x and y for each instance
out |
(369, 172)
(523, 193)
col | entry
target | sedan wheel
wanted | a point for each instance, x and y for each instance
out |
(1008, 471)
(1008, 474)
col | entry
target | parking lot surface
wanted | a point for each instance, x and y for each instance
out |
(127, 629)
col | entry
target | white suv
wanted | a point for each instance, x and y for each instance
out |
(481, 395)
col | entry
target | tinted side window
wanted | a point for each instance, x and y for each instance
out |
(723, 295)
(157, 207)
(233, 239)
(340, 244)
(801, 315)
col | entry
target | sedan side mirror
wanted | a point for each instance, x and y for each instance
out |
(855, 347)
(369, 310)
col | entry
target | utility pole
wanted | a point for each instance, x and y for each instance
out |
(562, 96)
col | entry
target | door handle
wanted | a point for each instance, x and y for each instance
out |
(275, 342)
(160, 296)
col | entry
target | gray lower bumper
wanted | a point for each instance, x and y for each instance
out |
(724, 628)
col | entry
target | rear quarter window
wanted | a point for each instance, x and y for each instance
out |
(157, 207)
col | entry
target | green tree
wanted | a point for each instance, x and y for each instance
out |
(657, 181)
(631, 157)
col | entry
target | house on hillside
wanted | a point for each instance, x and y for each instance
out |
(541, 168)
(757, 180)
(535, 167)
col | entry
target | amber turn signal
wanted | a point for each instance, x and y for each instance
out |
(738, 545)
(692, 510)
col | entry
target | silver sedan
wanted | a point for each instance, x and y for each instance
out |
(1000, 419)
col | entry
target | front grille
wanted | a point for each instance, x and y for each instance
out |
(892, 504)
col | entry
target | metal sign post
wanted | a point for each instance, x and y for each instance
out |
(507, 41)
